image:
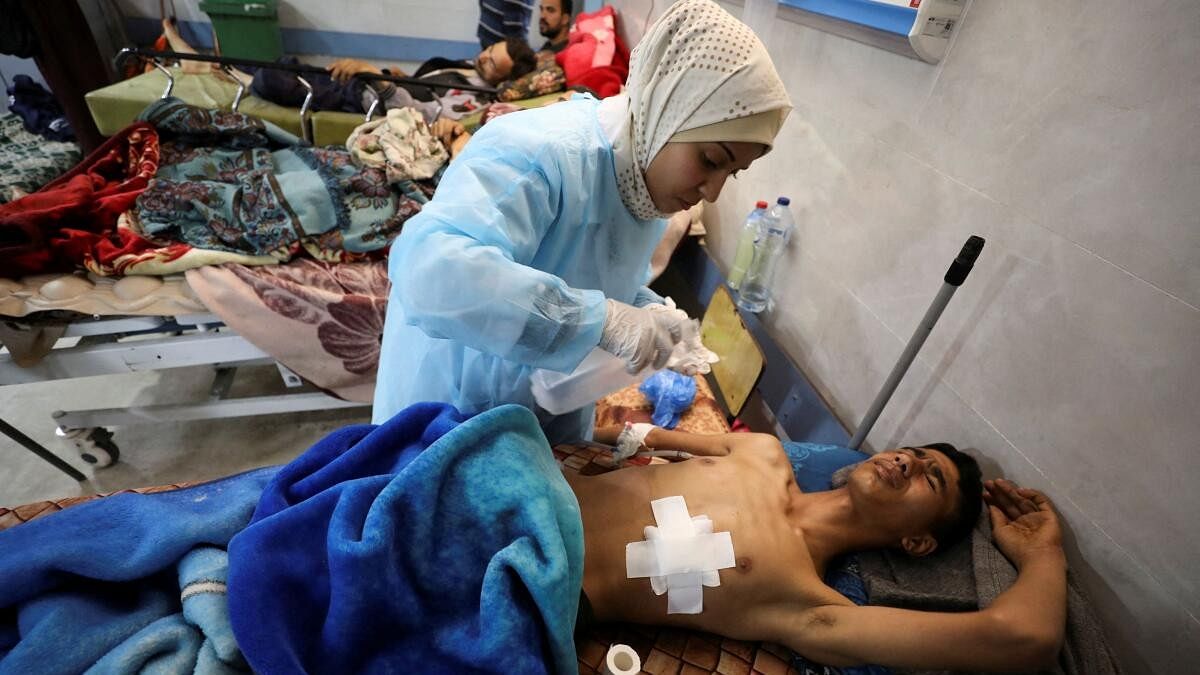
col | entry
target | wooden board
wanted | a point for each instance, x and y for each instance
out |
(741, 361)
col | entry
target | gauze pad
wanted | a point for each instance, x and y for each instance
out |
(681, 555)
(690, 356)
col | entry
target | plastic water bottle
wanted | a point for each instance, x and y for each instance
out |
(745, 247)
(777, 228)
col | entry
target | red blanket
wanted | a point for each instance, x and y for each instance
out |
(595, 57)
(74, 219)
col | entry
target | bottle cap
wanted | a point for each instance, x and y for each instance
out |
(784, 200)
(761, 204)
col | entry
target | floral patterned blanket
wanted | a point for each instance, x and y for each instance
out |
(28, 161)
(185, 187)
(234, 183)
(320, 320)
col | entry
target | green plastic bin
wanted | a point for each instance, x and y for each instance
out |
(246, 29)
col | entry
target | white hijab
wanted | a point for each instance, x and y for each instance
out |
(696, 66)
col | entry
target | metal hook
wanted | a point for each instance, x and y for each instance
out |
(305, 131)
(119, 59)
(241, 87)
(374, 102)
(170, 78)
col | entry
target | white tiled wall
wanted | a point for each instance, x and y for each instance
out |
(1067, 134)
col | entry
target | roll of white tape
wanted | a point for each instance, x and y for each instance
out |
(621, 660)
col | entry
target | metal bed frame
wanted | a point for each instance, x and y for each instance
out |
(119, 345)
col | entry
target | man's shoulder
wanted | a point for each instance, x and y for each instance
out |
(758, 453)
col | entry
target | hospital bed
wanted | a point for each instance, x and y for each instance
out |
(122, 343)
(663, 648)
(116, 106)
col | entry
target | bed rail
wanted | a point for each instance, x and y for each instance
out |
(227, 63)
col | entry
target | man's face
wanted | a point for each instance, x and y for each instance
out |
(552, 21)
(682, 174)
(494, 64)
(907, 490)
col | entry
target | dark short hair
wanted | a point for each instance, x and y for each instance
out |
(961, 521)
(523, 58)
(567, 7)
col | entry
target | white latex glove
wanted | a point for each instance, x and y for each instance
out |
(641, 336)
(689, 356)
(669, 314)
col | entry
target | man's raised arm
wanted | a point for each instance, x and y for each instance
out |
(1022, 629)
(704, 445)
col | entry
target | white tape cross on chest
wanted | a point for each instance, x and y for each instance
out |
(681, 555)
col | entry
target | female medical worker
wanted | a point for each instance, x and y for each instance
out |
(536, 247)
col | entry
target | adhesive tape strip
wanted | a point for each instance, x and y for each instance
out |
(680, 555)
(621, 660)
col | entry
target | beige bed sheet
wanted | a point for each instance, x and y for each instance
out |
(105, 296)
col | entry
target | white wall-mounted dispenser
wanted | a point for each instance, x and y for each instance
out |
(919, 29)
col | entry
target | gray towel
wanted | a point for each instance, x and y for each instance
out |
(970, 575)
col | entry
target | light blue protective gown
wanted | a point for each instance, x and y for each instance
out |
(508, 267)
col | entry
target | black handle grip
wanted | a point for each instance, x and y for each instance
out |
(961, 267)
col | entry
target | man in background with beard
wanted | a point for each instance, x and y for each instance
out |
(554, 22)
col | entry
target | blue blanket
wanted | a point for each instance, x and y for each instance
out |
(426, 544)
(99, 585)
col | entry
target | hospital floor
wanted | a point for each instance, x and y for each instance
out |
(158, 453)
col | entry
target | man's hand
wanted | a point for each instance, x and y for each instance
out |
(451, 133)
(344, 69)
(1024, 523)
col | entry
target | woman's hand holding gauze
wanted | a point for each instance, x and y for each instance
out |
(641, 336)
(690, 356)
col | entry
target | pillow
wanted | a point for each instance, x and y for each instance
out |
(815, 463)
(595, 57)
(630, 405)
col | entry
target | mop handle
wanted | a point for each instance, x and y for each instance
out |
(954, 278)
(961, 267)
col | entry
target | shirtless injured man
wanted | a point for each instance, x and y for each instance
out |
(443, 542)
(782, 539)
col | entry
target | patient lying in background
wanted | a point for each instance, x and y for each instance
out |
(916, 499)
(436, 96)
